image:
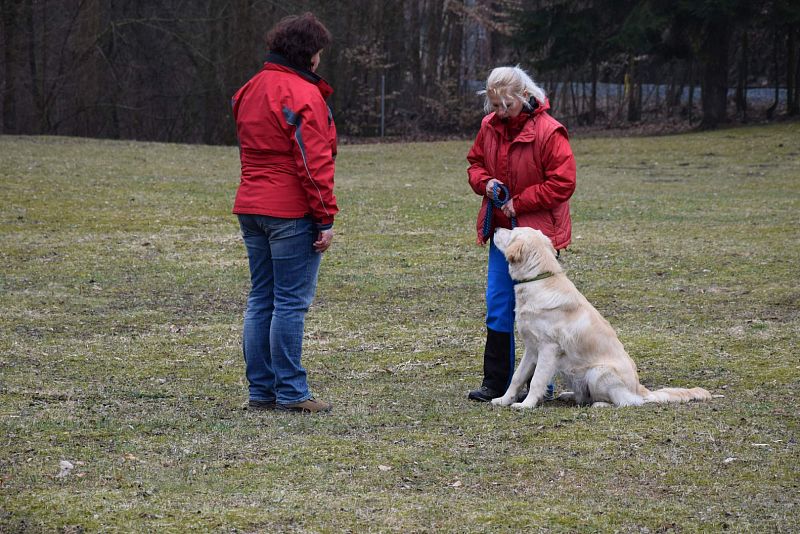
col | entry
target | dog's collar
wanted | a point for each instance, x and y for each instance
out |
(540, 276)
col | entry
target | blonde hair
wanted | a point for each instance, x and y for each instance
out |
(510, 82)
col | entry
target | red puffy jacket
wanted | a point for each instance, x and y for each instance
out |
(537, 167)
(287, 144)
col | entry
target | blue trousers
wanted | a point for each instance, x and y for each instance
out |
(500, 300)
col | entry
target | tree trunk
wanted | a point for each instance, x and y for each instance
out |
(634, 110)
(9, 63)
(210, 101)
(639, 100)
(791, 66)
(593, 101)
(573, 99)
(36, 91)
(657, 90)
(564, 90)
(797, 84)
(414, 49)
(469, 46)
(714, 68)
(675, 97)
(776, 75)
(741, 79)
(690, 103)
(113, 84)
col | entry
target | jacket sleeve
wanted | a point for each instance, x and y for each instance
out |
(313, 148)
(559, 177)
(477, 173)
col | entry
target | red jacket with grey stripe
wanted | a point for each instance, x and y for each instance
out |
(287, 144)
(538, 168)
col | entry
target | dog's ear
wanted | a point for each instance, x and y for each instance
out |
(514, 251)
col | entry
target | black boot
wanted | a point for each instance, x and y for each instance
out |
(496, 367)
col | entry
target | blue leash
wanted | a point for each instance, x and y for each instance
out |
(498, 202)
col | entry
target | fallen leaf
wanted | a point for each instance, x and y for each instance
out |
(728, 460)
(384, 468)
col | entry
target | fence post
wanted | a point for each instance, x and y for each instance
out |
(383, 103)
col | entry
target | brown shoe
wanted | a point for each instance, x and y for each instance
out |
(311, 405)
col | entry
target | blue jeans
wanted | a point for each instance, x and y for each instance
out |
(283, 274)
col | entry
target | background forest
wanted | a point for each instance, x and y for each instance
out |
(165, 70)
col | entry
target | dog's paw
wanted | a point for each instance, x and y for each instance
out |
(501, 401)
(522, 406)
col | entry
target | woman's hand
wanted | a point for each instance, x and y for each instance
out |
(508, 208)
(323, 240)
(490, 186)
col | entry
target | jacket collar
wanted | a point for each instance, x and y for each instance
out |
(274, 59)
(528, 132)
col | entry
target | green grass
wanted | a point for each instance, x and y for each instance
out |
(122, 286)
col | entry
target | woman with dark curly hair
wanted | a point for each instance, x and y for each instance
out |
(286, 206)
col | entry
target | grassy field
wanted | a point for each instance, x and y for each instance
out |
(122, 287)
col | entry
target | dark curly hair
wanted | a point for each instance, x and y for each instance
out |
(298, 38)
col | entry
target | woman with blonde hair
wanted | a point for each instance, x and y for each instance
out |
(521, 164)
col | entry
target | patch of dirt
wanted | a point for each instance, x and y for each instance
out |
(784, 309)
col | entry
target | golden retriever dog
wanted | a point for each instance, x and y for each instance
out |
(563, 333)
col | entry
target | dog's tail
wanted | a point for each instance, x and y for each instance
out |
(666, 395)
